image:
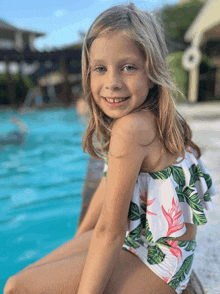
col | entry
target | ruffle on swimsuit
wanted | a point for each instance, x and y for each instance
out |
(161, 204)
(164, 201)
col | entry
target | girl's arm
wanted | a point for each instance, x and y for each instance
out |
(94, 210)
(22, 127)
(126, 156)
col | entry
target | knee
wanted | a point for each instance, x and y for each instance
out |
(12, 286)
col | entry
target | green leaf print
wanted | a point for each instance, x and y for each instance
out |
(189, 245)
(148, 234)
(184, 270)
(196, 173)
(155, 255)
(105, 174)
(144, 206)
(188, 191)
(163, 241)
(207, 196)
(182, 243)
(136, 233)
(179, 192)
(194, 202)
(140, 242)
(143, 221)
(199, 219)
(135, 246)
(134, 213)
(178, 175)
(163, 175)
(208, 180)
(106, 157)
(130, 242)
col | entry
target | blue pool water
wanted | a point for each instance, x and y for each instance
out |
(41, 184)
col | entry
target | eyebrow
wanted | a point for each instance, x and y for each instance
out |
(126, 58)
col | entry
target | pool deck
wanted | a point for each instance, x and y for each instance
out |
(204, 119)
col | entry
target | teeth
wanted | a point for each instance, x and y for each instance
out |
(115, 100)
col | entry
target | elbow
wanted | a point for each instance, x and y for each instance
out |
(110, 233)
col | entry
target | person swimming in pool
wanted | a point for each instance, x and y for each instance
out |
(15, 137)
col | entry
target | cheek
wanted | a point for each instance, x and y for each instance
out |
(140, 86)
(94, 84)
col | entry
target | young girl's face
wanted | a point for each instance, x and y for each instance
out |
(118, 72)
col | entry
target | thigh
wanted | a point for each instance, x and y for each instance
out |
(76, 245)
(58, 277)
(131, 276)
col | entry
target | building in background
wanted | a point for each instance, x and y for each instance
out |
(57, 72)
(204, 37)
(12, 37)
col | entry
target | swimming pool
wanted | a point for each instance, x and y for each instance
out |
(41, 183)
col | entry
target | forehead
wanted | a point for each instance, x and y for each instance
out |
(114, 46)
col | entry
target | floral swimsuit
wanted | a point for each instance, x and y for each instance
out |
(161, 204)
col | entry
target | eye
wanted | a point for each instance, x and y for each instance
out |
(99, 69)
(129, 67)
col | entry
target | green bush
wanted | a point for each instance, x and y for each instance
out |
(180, 75)
(177, 18)
(20, 85)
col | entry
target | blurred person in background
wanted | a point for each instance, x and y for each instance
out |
(38, 98)
(15, 137)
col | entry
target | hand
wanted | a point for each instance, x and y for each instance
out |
(14, 119)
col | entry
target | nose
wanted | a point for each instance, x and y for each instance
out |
(113, 80)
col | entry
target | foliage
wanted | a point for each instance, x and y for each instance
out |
(177, 19)
(21, 86)
(180, 75)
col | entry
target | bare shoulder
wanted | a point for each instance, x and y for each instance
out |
(139, 126)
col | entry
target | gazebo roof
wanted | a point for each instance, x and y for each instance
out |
(207, 22)
(6, 26)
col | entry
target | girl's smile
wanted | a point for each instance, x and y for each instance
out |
(119, 75)
(115, 101)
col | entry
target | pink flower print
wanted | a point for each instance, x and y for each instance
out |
(132, 250)
(143, 197)
(173, 218)
(175, 250)
(148, 202)
(166, 279)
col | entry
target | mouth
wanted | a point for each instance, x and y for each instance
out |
(115, 101)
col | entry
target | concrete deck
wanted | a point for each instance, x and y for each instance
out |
(204, 120)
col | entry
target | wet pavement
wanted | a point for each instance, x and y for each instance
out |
(204, 120)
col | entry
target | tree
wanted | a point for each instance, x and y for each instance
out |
(81, 35)
(177, 19)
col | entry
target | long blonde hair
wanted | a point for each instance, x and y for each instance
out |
(174, 133)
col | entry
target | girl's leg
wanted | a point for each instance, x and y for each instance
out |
(76, 245)
(61, 276)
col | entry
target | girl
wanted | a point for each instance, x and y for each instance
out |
(138, 235)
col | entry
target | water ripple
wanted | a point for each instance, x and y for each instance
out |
(41, 183)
